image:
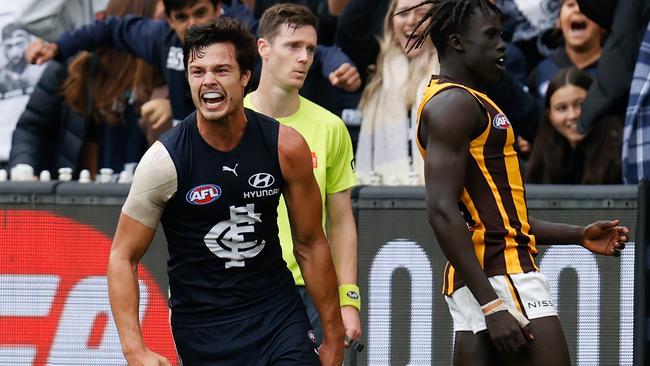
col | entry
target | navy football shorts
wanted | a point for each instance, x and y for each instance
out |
(282, 336)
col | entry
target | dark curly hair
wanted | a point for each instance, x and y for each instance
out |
(221, 30)
(447, 17)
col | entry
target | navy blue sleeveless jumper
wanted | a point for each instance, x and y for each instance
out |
(225, 261)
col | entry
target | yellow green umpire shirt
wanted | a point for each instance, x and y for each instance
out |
(332, 158)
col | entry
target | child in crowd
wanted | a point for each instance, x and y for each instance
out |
(561, 154)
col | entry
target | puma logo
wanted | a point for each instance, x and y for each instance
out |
(233, 170)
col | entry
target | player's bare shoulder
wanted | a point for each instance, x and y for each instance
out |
(293, 151)
(454, 109)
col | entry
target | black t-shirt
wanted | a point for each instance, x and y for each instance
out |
(358, 29)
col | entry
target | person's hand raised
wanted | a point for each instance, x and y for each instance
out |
(39, 51)
(346, 77)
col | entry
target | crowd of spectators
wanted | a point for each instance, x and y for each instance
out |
(116, 81)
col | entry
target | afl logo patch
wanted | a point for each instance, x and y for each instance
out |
(203, 194)
(501, 122)
(261, 180)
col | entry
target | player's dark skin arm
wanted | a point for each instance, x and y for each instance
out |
(448, 133)
(311, 248)
(601, 237)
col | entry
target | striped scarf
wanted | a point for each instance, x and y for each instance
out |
(386, 144)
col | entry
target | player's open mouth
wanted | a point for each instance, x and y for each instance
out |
(212, 98)
(501, 61)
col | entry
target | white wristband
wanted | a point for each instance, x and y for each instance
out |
(500, 305)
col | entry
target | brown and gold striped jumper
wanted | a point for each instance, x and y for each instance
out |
(493, 199)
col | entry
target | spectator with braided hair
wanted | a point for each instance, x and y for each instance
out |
(498, 300)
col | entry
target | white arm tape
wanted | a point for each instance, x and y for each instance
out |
(154, 183)
(502, 305)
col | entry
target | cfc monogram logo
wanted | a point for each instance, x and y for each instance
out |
(227, 240)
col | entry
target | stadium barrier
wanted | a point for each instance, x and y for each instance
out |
(55, 238)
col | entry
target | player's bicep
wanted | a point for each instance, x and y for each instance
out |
(300, 190)
(450, 122)
(154, 183)
(132, 239)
